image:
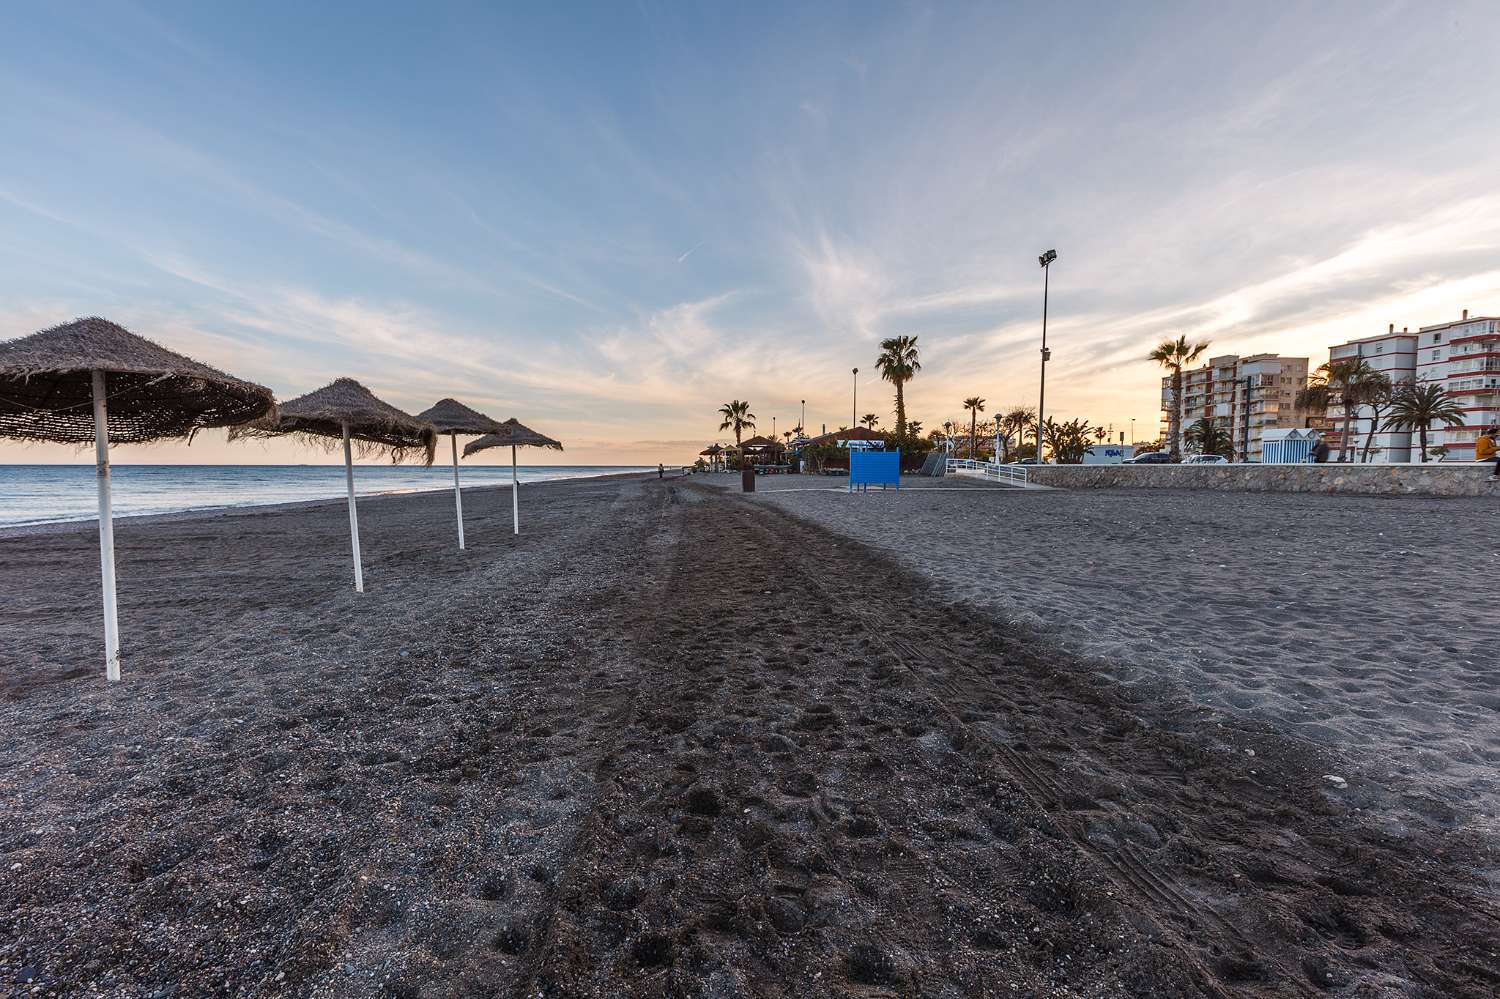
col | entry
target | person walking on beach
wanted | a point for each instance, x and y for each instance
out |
(1320, 452)
(661, 470)
(1485, 449)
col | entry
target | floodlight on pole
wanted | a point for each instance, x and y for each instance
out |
(1041, 407)
(854, 415)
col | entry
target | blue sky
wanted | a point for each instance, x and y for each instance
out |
(609, 219)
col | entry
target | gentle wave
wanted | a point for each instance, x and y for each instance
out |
(45, 494)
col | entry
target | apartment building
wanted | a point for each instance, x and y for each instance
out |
(1464, 358)
(1243, 395)
(1394, 355)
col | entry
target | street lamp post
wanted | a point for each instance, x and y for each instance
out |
(854, 416)
(1245, 421)
(1041, 406)
(802, 421)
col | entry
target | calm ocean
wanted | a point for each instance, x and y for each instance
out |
(43, 494)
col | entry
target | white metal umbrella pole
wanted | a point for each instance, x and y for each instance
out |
(515, 500)
(458, 496)
(359, 572)
(106, 532)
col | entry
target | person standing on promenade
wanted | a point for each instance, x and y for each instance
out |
(1320, 452)
(1486, 450)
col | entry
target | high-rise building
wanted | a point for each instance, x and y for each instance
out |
(1464, 358)
(1241, 395)
(1394, 355)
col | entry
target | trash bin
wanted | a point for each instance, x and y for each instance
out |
(747, 479)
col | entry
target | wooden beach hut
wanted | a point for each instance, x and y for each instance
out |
(451, 417)
(713, 453)
(92, 381)
(515, 435)
(346, 410)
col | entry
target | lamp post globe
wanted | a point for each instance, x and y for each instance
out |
(1045, 260)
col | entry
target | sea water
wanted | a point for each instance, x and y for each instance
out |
(42, 494)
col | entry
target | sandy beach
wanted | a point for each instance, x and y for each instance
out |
(674, 741)
(1354, 623)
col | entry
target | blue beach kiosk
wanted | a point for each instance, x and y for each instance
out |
(1294, 447)
(868, 467)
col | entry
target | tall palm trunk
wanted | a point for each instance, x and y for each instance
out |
(900, 415)
(1174, 425)
(1346, 453)
(1422, 440)
(1364, 459)
(973, 421)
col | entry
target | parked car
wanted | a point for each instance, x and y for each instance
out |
(1207, 459)
(1150, 458)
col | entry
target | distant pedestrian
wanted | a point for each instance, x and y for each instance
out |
(1320, 452)
(661, 470)
(1487, 449)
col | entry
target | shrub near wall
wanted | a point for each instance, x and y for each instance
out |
(1390, 480)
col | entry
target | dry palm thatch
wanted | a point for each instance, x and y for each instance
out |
(46, 387)
(377, 426)
(516, 434)
(449, 416)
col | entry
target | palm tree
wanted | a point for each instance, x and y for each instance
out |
(898, 364)
(1066, 441)
(737, 416)
(1100, 433)
(1378, 396)
(975, 406)
(1416, 407)
(1345, 382)
(869, 420)
(1016, 421)
(1174, 355)
(1210, 439)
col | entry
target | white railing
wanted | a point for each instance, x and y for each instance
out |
(1014, 475)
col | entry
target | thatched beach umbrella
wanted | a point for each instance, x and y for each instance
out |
(451, 417)
(346, 410)
(516, 434)
(90, 380)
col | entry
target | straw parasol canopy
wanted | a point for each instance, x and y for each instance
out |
(449, 416)
(514, 434)
(92, 380)
(713, 450)
(452, 417)
(376, 424)
(46, 387)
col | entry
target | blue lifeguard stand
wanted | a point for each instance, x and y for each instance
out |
(874, 468)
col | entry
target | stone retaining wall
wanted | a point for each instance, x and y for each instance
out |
(1428, 480)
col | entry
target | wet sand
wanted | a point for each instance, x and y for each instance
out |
(667, 742)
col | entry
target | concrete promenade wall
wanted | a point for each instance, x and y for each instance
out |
(1392, 480)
